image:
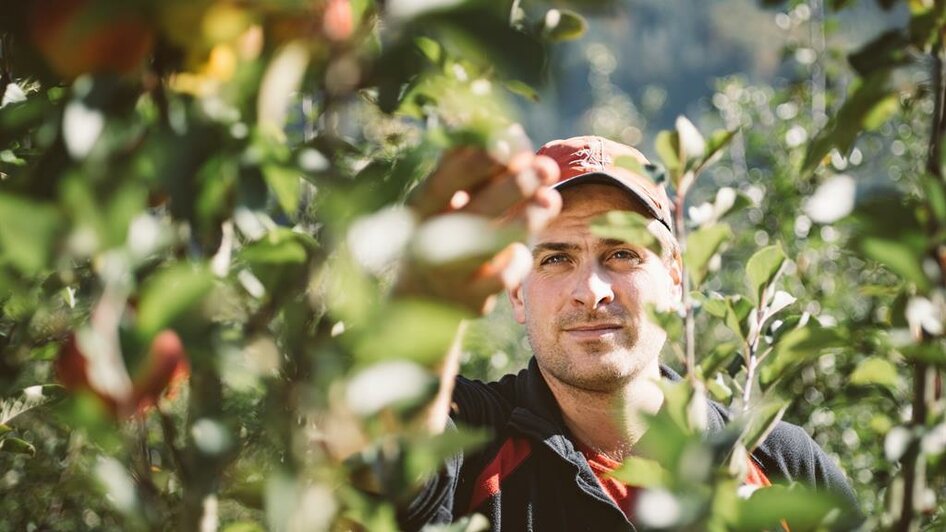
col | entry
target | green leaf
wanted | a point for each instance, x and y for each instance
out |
(563, 25)
(762, 421)
(800, 507)
(27, 232)
(738, 309)
(668, 320)
(420, 331)
(4, 429)
(701, 245)
(28, 399)
(627, 226)
(667, 145)
(898, 256)
(717, 359)
(522, 89)
(169, 294)
(285, 184)
(717, 140)
(762, 269)
(426, 455)
(889, 50)
(17, 446)
(797, 347)
(857, 113)
(876, 370)
(642, 472)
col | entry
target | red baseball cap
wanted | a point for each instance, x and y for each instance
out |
(591, 159)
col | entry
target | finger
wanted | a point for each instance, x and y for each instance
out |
(506, 269)
(546, 204)
(531, 216)
(459, 169)
(522, 179)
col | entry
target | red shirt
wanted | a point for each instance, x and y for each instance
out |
(625, 497)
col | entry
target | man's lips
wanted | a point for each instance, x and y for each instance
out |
(593, 328)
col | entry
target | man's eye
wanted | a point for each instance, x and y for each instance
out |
(554, 259)
(625, 254)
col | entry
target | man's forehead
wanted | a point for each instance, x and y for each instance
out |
(600, 197)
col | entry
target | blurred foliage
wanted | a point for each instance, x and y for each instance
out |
(199, 225)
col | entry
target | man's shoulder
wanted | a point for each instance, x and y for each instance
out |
(476, 402)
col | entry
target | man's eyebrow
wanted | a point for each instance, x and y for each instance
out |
(553, 246)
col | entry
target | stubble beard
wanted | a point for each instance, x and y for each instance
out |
(601, 366)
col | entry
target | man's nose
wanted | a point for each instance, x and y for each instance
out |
(593, 287)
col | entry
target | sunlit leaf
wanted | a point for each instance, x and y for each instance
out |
(762, 268)
(286, 184)
(667, 145)
(279, 84)
(702, 244)
(410, 330)
(876, 370)
(801, 508)
(626, 226)
(641, 472)
(170, 293)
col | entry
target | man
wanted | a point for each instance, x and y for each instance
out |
(583, 302)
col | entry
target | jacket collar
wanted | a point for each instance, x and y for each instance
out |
(539, 416)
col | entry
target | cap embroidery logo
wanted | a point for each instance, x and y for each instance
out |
(593, 156)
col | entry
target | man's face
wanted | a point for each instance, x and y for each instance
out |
(584, 304)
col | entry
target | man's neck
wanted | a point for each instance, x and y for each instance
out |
(610, 422)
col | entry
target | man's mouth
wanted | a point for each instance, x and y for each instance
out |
(593, 330)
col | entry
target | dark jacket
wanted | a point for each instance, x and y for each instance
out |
(531, 477)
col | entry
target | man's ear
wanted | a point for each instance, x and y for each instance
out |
(518, 303)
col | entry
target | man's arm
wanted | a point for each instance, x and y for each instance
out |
(515, 199)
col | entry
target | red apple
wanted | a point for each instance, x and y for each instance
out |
(84, 36)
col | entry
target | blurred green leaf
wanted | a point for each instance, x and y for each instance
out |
(797, 347)
(900, 257)
(875, 370)
(626, 226)
(801, 508)
(762, 268)
(762, 420)
(717, 140)
(641, 472)
(285, 183)
(563, 25)
(4, 429)
(889, 50)
(850, 120)
(522, 89)
(427, 454)
(420, 331)
(16, 446)
(27, 232)
(169, 294)
(702, 244)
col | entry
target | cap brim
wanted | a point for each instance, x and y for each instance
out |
(636, 190)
